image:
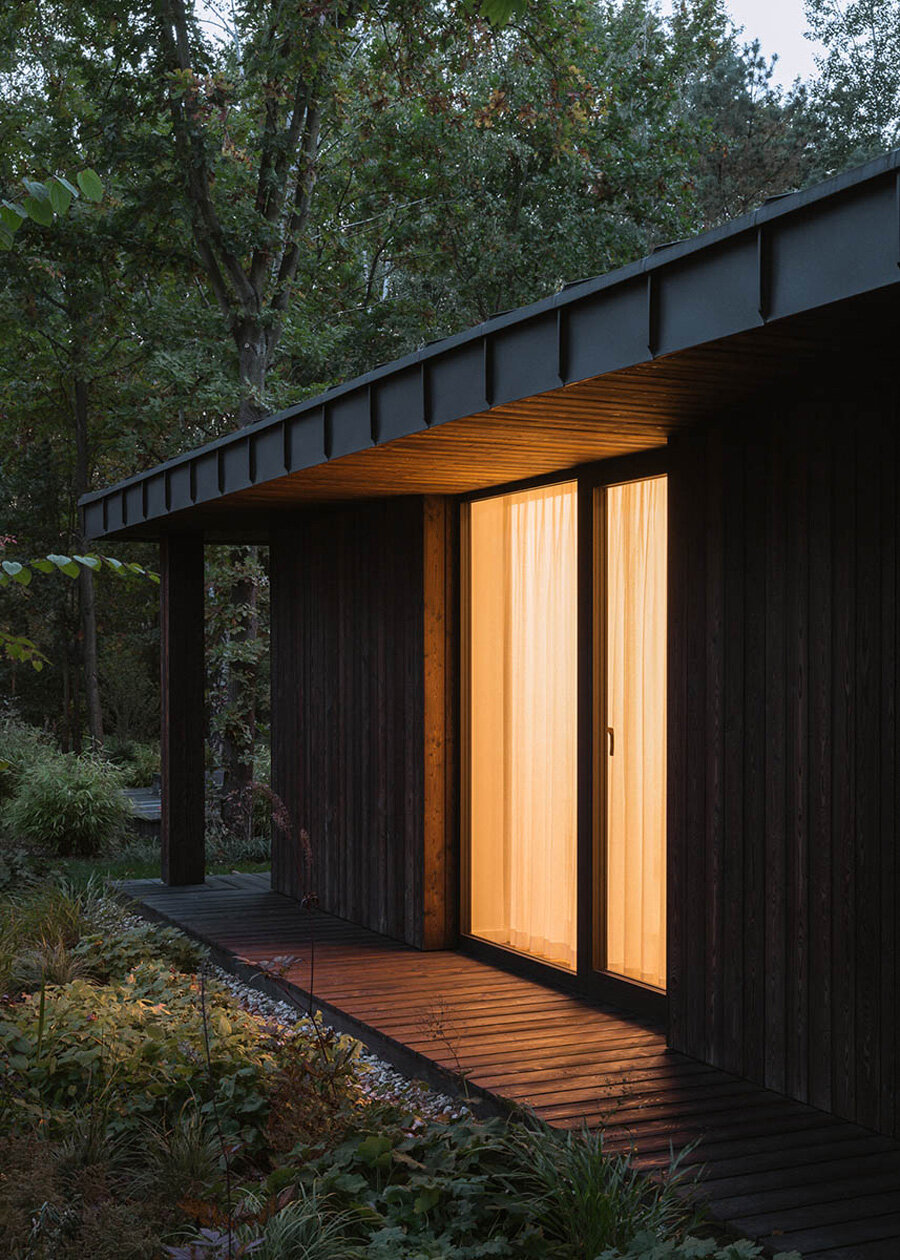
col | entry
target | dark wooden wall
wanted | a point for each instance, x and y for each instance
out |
(784, 877)
(361, 720)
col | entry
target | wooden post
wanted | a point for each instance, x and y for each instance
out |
(183, 713)
(440, 890)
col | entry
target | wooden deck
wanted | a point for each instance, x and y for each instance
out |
(784, 1173)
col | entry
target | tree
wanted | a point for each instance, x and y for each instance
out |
(754, 136)
(17, 647)
(249, 119)
(43, 204)
(88, 305)
(324, 187)
(856, 94)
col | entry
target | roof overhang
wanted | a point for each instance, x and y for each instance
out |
(605, 367)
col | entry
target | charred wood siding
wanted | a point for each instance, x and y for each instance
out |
(360, 716)
(784, 878)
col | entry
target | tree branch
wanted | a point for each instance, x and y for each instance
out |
(207, 229)
(306, 179)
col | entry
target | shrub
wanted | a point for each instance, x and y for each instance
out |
(586, 1199)
(305, 1228)
(437, 1191)
(114, 954)
(21, 747)
(72, 804)
(140, 1046)
(138, 763)
(229, 849)
(20, 869)
(50, 961)
(39, 929)
(56, 908)
(182, 1157)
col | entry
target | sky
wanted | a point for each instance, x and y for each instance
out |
(779, 27)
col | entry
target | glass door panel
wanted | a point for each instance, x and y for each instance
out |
(520, 626)
(633, 537)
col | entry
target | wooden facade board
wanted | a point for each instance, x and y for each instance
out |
(783, 645)
(362, 713)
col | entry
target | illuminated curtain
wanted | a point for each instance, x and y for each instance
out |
(523, 721)
(636, 701)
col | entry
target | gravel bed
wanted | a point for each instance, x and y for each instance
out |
(376, 1078)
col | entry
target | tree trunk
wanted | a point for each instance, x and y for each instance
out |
(254, 349)
(67, 702)
(87, 604)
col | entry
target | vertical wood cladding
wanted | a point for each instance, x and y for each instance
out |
(361, 713)
(784, 878)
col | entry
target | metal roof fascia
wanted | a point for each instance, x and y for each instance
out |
(666, 258)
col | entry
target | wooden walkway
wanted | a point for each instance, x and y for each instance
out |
(781, 1172)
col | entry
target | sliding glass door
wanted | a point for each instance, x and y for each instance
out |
(521, 715)
(631, 651)
(525, 787)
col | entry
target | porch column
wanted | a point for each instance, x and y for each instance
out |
(183, 713)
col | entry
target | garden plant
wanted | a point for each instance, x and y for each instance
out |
(147, 1111)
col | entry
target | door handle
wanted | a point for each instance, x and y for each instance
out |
(612, 741)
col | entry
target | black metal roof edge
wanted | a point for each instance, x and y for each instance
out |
(772, 211)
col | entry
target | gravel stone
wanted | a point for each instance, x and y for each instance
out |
(376, 1079)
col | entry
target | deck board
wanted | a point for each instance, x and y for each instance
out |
(777, 1170)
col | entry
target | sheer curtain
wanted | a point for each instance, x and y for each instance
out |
(636, 714)
(522, 707)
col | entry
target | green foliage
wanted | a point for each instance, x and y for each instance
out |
(649, 1246)
(113, 954)
(856, 93)
(68, 803)
(138, 763)
(21, 869)
(141, 1043)
(22, 746)
(585, 1199)
(51, 915)
(148, 1082)
(87, 1144)
(44, 200)
(49, 962)
(22, 572)
(16, 647)
(452, 160)
(437, 1192)
(181, 1157)
(228, 848)
(54, 909)
(306, 1229)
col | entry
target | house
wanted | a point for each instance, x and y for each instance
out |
(586, 640)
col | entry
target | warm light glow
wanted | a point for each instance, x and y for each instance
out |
(522, 720)
(636, 712)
